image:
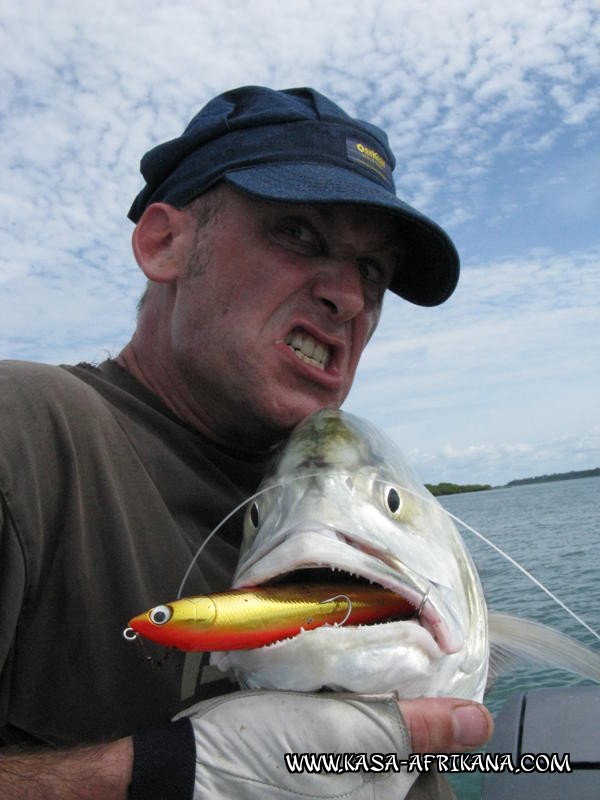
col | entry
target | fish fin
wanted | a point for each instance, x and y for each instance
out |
(514, 640)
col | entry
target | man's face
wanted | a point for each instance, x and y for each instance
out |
(277, 303)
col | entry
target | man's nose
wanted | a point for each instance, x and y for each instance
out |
(339, 286)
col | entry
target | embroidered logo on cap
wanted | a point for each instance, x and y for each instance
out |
(366, 156)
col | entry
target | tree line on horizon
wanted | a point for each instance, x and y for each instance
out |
(440, 489)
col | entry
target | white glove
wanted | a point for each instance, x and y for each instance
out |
(241, 739)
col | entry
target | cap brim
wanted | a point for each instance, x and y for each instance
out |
(429, 273)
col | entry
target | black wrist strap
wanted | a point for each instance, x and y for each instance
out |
(164, 763)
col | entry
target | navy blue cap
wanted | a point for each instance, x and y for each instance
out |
(296, 145)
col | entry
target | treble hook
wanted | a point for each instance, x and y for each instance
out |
(130, 635)
(337, 597)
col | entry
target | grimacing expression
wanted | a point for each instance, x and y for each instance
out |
(272, 322)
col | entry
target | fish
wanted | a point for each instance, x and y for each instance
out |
(342, 517)
(342, 503)
(242, 619)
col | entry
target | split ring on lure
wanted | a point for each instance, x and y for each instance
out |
(242, 619)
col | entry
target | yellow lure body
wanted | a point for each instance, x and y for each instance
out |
(241, 619)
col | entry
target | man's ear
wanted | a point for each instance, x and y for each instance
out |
(161, 241)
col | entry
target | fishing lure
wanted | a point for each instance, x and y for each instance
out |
(241, 619)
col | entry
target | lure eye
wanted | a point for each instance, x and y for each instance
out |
(160, 615)
(254, 516)
(393, 500)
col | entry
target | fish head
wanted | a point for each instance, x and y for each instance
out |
(341, 504)
(176, 624)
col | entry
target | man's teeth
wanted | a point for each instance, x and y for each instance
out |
(308, 349)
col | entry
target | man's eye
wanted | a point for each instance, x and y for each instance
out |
(371, 271)
(298, 232)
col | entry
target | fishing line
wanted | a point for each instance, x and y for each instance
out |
(218, 528)
(527, 574)
(232, 513)
(432, 501)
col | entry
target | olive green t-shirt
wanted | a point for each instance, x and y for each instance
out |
(105, 497)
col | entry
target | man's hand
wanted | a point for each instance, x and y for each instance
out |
(446, 725)
(104, 771)
(239, 745)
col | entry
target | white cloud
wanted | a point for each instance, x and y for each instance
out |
(515, 352)
(491, 108)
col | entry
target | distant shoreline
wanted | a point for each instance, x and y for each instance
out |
(441, 489)
(558, 476)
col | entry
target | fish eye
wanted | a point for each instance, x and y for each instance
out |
(254, 515)
(393, 500)
(160, 615)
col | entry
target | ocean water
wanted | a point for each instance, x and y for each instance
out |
(553, 530)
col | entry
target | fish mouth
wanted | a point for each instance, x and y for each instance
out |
(338, 555)
(337, 577)
(420, 609)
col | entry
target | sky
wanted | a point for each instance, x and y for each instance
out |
(493, 112)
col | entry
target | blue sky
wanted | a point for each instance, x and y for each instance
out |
(493, 111)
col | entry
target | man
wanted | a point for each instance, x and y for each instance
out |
(269, 232)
